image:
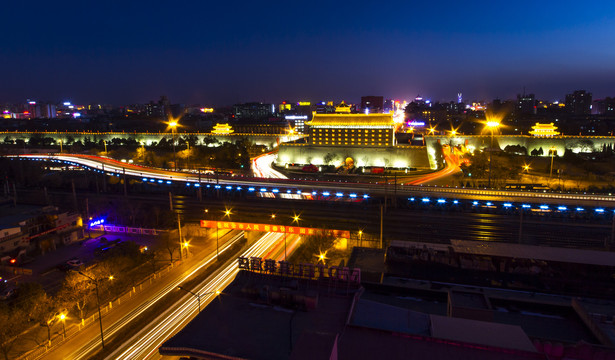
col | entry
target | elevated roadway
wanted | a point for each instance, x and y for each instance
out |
(340, 189)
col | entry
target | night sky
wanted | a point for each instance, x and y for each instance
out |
(224, 52)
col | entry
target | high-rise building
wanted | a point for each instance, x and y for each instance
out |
(579, 102)
(372, 104)
(526, 104)
(253, 111)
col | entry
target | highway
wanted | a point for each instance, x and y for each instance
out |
(333, 189)
(145, 343)
(87, 341)
(261, 166)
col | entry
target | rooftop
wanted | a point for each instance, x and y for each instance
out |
(351, 120)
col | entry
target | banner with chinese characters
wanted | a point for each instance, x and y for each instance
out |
(299, 271)
(297, 230)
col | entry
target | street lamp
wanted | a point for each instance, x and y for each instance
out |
(63, 318)
(361, 238)
(185, 246)
(60, 145)
(105, 143)
(198, 296)
(491, 125)
(295, 220)
(102, 338)
(227, 212)
(173, 125)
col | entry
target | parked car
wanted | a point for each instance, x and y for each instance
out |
(74, 263)
(7, 293)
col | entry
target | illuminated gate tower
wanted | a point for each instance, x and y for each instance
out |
(349, 130)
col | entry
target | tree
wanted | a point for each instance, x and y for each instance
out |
(76, 292)
(30, 297)
(314, 245)
(12, 323)
(329, 158)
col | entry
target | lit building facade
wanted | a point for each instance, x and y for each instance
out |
(374, 130)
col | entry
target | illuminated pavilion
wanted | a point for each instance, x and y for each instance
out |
(222, 129)
(544, 130)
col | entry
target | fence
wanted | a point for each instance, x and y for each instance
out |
(126, 230)
(72, 330)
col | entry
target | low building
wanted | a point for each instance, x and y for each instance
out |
(33, 228)
(268, 316)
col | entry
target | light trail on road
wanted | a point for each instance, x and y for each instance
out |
(261, 167)
(84, 352)
(145, 343)
(310, 189)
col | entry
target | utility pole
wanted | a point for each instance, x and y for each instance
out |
(74, 195)
(521, 226)
(613, 230)
(395, 190)
(125, 185)
(381, 221)
(170, 201)
(179, 226)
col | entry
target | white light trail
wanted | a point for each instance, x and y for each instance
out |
(146, 342)
(261, 167)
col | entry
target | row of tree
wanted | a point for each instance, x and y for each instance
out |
(32, 309)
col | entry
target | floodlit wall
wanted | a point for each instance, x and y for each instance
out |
(395, 156)
(269, 140)
(577, 144)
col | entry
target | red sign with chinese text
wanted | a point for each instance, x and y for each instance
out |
(298, 230)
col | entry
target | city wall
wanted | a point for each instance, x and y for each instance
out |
(269, 140)
(396, 156)
(576, 144)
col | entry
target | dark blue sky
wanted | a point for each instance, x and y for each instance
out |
(224, 52)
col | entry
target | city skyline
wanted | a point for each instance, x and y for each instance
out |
(231, 53)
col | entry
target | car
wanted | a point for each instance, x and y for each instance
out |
(74, 263)
(7, 293)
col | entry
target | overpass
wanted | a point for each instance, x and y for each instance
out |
(354, 191)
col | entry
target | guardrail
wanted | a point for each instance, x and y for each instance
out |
(73, 329)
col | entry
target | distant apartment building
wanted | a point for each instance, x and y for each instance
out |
(604, 106)
(253, 111)
(526, 104)
(579, 102)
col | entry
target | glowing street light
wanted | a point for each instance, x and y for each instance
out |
(322, 256)
(526, 168)
(62, 317)
(227, 212)
(432, 130)
(173, 125)
(491, 124)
